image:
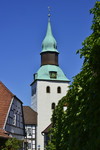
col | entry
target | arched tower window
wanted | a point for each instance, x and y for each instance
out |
(58, 89)
(53, 106)
(48, 89)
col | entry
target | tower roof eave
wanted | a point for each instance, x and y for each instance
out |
(44, 73)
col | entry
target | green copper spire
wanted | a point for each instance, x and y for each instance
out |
(49, 43)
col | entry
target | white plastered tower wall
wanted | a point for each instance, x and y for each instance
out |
(44, 104)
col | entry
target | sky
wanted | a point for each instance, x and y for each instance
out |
(23, 25)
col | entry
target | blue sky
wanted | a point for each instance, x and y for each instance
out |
(23, 26)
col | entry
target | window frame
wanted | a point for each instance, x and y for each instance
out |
(14, 119)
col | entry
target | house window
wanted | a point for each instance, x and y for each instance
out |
(53, 74)
(29, 145)
(14, 119)
(48, 89)
(58, 89)
(29, 132)
(53, 106)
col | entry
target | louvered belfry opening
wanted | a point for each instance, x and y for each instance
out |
(49, 58)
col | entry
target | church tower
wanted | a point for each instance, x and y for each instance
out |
(49, 86)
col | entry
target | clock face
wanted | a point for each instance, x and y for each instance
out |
(53, 74)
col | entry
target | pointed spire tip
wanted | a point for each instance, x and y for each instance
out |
(49, 14)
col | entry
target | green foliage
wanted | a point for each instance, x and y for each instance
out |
(79, 127)
(50, 146)
(12, 144)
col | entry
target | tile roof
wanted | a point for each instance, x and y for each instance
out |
(5, 100)
(4, 134)
(30, 116)
(47, 129)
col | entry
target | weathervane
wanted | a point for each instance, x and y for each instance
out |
(49, 12)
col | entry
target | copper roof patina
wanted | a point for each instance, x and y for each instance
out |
(44, 73)
(49, 43)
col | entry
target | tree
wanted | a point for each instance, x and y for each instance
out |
(12, 144)
(79, 127)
